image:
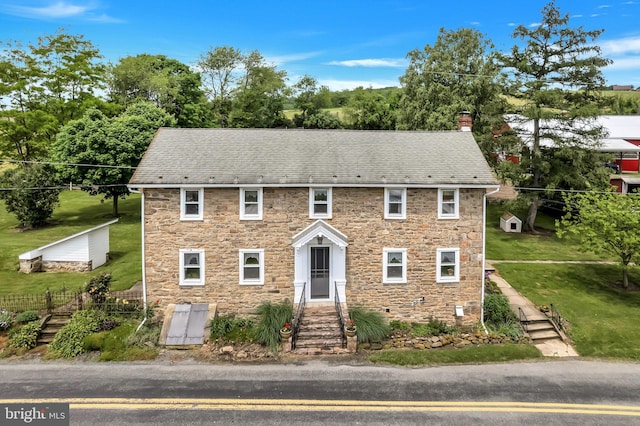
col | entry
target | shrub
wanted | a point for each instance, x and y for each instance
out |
(510, 328)
(6, 321)
(399, 325)
(497, 309)
(372, 326)
(98, 288)
(27, 316)
(220, 326)
(146, 336)
(272, 318)
(433, 328)
(25, 337)
(108, 324)
(68, 342)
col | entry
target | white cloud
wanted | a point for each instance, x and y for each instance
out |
(511, 24)
(337, 85)
(372, 63)
(60, 9)
(631, 63)
(577, 16)
(621, 46)
(534, 24)
(604, 6)
(294, 57)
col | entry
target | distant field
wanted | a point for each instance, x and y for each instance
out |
(77, 212)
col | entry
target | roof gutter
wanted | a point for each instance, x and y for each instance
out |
(144, 269)
(484, 249)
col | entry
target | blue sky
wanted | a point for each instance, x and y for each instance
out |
(343, 44)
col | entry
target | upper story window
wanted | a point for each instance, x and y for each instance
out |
(448, 204)
(448, 265)
(394, 265)
(191, 267)
(320, 203)
(395, 205)
(252, 266)
(251, 203)
(191, 201)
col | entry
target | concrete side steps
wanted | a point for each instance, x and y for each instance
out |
(50, 326)
(542, 330)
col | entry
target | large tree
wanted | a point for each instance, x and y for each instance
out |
(258, 101)
(556, 77)
(220, 68)
(103, 152)
(371, 110)
(167, 83)
(44, 85)
(30, 192)
(458, 73)
(604, 222)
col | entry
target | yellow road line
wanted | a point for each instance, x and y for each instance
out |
(331, 405)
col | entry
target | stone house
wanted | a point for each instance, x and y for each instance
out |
(392, 221)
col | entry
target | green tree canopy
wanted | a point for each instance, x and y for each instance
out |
(557, 78)
(30, 192)
(458, 73)
(167, 83)
(604, 223)
(103, 152)
(45, 85)
(370, 110)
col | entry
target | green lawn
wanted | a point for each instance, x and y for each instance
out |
(523, 246)
(77, 212)
(601, 315)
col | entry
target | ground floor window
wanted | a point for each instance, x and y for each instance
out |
(191, 267)
(252, 266)
(448, 265)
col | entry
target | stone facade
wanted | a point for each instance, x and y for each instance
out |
(357, 213)
(38, 265)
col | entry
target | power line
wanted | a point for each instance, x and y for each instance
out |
(105, 166)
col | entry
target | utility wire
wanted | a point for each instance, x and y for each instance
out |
(105, 166)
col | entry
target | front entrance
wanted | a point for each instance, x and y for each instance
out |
(320, 273)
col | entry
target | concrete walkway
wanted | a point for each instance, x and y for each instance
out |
(551, 348)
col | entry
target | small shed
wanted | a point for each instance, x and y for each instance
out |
(510, 223)
(80, 252)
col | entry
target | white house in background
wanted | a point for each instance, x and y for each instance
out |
(80, 252)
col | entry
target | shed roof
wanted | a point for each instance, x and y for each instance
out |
(283, 157)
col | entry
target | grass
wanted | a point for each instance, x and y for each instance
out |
(524, 246)
(77, 212)
(468, 355)
(601, 315)
(113, 345)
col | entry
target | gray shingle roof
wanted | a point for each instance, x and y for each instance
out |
(303, 157)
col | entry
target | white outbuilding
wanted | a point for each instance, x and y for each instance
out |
(80, 252)
(510, 223)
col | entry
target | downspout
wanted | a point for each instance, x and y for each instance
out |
(144, 270)
(484, 247)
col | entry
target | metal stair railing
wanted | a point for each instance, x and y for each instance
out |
(523, 319)
(340, 315)
(298, 316)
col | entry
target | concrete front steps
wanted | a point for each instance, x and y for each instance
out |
(50, 326)
(319, 332)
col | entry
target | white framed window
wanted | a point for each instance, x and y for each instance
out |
(191, 267)
(251, 266)
(251, 203)
(395, 203)
(394, 265)
(448, 265)
(320, 203)
(191, 201)
(448, 203)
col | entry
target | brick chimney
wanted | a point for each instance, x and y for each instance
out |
(464, 121)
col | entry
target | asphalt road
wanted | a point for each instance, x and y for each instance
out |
(192, 393)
